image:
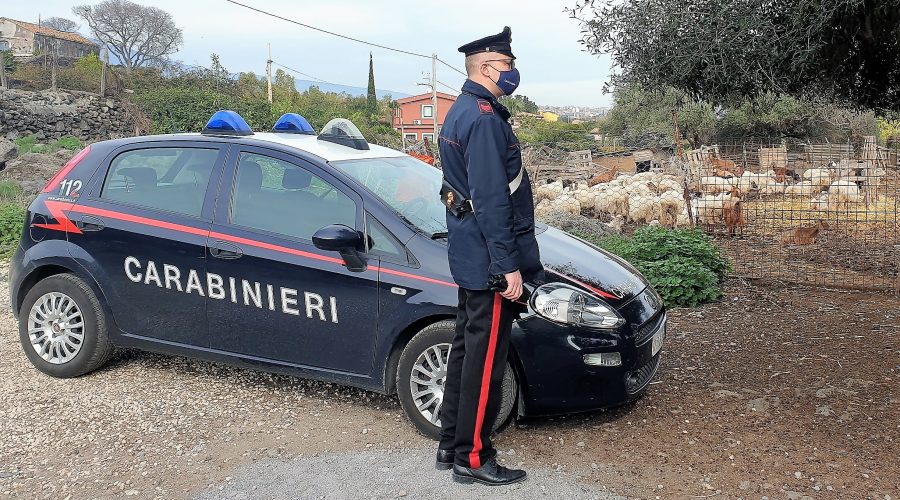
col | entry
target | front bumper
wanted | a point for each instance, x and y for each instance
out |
(554, 377)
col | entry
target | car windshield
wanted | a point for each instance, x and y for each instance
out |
(409, 186)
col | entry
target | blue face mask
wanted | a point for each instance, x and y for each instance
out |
(508, 81)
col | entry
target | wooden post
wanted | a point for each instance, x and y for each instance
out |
(103, 70)
(53, 66)
(2, 71)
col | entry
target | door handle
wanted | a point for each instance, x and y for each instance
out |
(224, 250)
(90, 223)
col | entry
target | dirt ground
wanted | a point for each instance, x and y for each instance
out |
(776, 392)
(771, 393)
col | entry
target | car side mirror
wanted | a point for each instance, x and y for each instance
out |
(344, 240)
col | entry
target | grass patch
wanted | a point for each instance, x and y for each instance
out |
(10, 191)
(29, 144)
(684, 266)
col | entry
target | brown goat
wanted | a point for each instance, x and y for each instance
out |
(603, 177)
(723, 166)
(803, 235)
(733, 211)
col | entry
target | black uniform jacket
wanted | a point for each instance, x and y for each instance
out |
(480, 155)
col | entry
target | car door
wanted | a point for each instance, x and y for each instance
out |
(142, 235)
(282, 298)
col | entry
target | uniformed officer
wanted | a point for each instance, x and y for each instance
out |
(490, 223)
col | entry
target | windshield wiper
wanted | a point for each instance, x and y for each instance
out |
(439, 234)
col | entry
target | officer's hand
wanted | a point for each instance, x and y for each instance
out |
(514, 289)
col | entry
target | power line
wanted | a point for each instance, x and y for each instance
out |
(448, 86)
(451, 67)
(302, 73)
(329, 32)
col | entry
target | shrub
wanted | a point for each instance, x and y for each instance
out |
(68, 142)
(684, 266)
(12, 221)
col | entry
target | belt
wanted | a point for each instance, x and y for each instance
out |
(458, 205)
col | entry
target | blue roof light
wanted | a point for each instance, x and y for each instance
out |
(292, 123)
(225, 122)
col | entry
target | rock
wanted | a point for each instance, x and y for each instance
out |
(762, 404)
(8, 150)
(722, 394)
(824, 411)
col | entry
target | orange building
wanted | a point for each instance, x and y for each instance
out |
(415, 116)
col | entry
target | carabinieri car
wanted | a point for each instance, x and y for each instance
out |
(320, 256)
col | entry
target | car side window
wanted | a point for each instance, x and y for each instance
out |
(171, 179)
(383, 241)
(280, 197)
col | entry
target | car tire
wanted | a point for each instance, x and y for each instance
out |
(64, 297)
(427, 342)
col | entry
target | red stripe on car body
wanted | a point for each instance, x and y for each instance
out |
(58, 210)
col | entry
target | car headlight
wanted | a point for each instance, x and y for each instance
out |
(563, 303)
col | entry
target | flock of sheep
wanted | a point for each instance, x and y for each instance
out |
(666, 199)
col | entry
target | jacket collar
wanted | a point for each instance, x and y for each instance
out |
(478, 90)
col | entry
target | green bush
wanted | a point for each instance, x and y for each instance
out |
(684, 266)
(12, 221)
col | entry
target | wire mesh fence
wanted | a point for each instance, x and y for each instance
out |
(814, 213)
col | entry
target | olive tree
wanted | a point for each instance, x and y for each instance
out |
(726, 50)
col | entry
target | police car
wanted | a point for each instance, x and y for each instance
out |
(319, 256)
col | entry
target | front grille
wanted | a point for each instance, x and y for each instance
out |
(638, 379)
(645, 331)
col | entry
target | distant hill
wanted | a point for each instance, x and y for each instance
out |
(354, 91)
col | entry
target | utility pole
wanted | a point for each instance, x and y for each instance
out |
(269, 73)
(434, 101)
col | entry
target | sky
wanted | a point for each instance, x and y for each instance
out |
(555, 70)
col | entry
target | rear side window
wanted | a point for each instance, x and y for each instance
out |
(283, 198)
(171, 179)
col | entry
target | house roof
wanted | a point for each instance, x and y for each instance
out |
(42, 30)
(422, 97)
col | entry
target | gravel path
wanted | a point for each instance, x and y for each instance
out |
(378, 474)
(773, 392)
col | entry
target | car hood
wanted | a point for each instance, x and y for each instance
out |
(573, 260)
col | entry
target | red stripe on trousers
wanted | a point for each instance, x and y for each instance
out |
(474, 456)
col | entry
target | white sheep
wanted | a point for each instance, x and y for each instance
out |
(819, 177)
(709, 208)
(671, 208)
(644, 208)
(715, 185)
(548, 191)
(772, 187)
(841, 193)
(802, 188)
(750, 181)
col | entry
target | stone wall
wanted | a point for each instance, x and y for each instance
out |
(49, 115)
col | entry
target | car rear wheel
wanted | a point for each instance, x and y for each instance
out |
(422, 372)
(62, 327)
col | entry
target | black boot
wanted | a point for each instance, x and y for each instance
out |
(444, 459)
(490, 473)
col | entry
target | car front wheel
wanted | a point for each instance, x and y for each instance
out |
(62, 327)
(422, 372)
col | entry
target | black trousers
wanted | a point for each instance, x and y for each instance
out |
(475, 375)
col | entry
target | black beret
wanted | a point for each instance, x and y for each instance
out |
(494, 43)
